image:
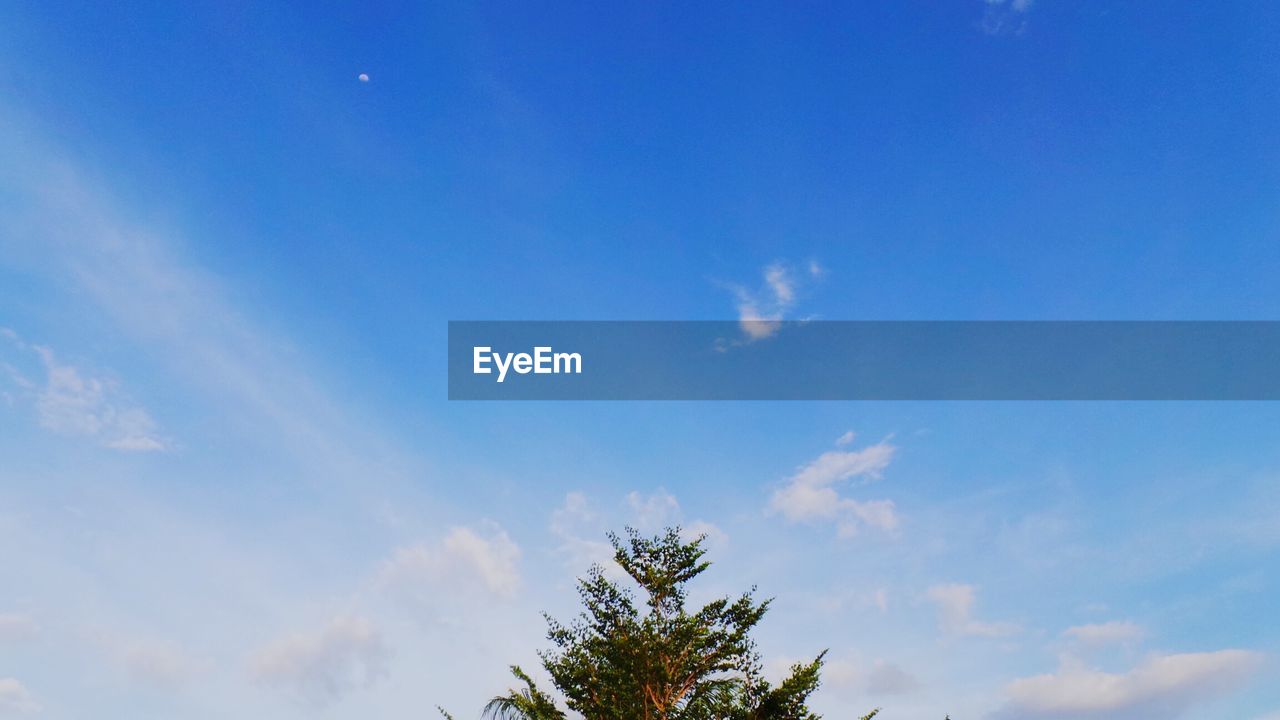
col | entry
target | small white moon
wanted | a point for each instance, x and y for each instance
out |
(363, 77)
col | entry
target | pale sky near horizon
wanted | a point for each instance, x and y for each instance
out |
(231, 237)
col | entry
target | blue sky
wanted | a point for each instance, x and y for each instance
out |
(230, 484)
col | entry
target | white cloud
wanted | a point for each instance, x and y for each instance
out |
(653, 512)
(853, 676)
(15, 627)
(146, 661)
(843, 674)
(886, 678)
(846, 438)
(1005, 16)
(860, 600)
(74, 402)
(657, 511)
(660, 510)
(142, 284)
(836, 672)
(464, 559)
(581, 531)
(157, 664)
(779, 280)
(809, 494)
(761, 311)
(713, 536)
(16, 699)
(755, 324)
(955, 603)
(1163, 686)
(574, 509)
(322, 667)
(1108, 633)
(239, 371)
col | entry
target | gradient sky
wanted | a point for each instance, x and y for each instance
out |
(231, 485)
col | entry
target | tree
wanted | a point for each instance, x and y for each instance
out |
(622, 660)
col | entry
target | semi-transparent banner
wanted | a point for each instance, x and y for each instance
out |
(853, 360)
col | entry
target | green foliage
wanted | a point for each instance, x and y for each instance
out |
(656, 659)
(528, 703)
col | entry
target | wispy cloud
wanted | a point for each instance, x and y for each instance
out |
(1162, 686)
(580, 529)
(156, 664)
(17, 627)
(1005, 16)
(851, 676)
(654, 511)
(659, 510)
(233, 365)
(69, 400)
(762, 310)
(955, 603)
(144, 659)
(886, 678)
(464, 560)
(141, 281)
(810, 494)
(1116, 632)
(579, 533)
(321, 667)
(16, 699)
